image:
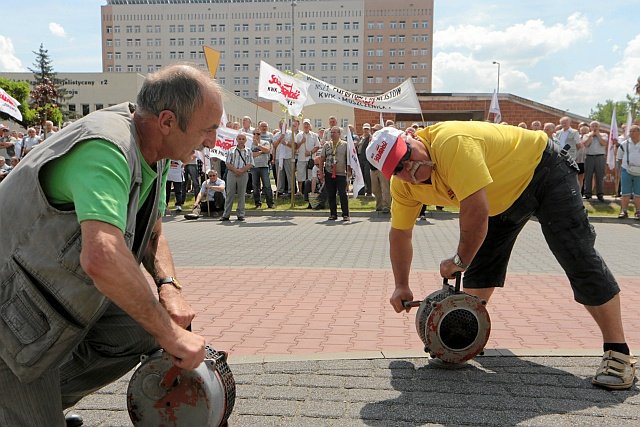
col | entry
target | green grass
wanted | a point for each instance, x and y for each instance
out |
(368, 204)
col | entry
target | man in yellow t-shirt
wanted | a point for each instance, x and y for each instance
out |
(499, 176)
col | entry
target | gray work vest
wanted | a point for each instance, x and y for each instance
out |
(47, 302)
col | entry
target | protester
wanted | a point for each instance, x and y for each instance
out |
(213, 191)
(239, 162)
(77, 311)
(629, 159)
(175, 179)
(260, 150)
(335, 169)
(595, 143)
(499, 176)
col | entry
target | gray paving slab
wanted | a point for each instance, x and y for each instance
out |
(491, 391)
(278, 241)
(502, 389)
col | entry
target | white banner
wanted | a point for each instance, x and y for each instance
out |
(285, 89)
(225, 141)
(495, 108)
(9, 105)
(401, 99)
(354, 163)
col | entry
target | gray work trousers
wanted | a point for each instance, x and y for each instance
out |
(594, 164)
(111, 349)
(235, 185)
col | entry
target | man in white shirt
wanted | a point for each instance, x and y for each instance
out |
(26, 144)
(284, 157)
(307, 144)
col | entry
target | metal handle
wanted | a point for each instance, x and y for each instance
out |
(458, 276)
(407, 304)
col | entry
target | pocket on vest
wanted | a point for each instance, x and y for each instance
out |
(34, 336)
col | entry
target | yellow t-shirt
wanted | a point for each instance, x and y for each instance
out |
(469, 156)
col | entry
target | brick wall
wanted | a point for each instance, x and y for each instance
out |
(450, 108)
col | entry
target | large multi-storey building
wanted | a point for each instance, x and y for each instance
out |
(365, 46)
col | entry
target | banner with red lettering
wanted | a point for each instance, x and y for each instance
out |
(401, 99)
(283, 88)
(9, 105)
(225, 141)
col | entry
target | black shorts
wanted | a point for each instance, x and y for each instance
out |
(581, 167)
(553, 196)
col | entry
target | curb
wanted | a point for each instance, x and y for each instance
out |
(406, 354)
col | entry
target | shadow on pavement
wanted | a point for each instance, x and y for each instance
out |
(501, 391)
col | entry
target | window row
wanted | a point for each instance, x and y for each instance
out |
(400, 38)
(397, 52)
(398, 25)
(398, 79)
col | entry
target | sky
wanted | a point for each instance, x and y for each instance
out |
(571, 54)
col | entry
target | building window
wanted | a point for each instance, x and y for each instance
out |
(85, 109)
(312, 26)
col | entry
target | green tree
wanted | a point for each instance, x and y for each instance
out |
(603, 112)
(46, 95)
(20, 92)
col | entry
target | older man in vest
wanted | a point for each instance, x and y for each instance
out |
(77, 312)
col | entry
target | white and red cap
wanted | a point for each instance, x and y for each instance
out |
(386, 149)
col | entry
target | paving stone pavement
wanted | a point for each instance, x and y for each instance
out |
(301, 304)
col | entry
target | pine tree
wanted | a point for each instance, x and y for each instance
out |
(42, 67)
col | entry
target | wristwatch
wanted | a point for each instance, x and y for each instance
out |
(166, 280)
(458, 262)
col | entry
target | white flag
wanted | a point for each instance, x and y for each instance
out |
(9, 105)
(381, 120)
(629, 124)
(352, 160)
(225, 141)
(285, 89)
(495, 108)
(223, 118)
(613, 138)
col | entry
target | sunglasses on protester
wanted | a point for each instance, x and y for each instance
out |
(404, 158)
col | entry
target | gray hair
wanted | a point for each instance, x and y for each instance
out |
(178, 88)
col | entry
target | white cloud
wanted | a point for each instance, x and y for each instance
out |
(9, 62)
(589, 87)
(57, 30)
(457, 72)
(524, 43)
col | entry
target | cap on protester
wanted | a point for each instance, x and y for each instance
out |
(306, 121)
(366, 126)
(386, 149)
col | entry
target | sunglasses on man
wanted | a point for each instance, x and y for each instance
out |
(404, 158)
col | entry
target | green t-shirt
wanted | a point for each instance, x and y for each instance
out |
(94, 176)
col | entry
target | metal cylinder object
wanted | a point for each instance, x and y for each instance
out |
(453, 326)
(161, 394)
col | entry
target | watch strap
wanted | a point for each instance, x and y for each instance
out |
(168, 280)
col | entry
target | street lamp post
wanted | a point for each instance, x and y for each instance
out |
(498, 64)
(292, 184)
(293, 37)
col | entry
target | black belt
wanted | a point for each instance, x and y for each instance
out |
(594, 155)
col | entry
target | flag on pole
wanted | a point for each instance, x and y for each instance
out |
(283, 88)
(354, 163)
(629, 124)
(9, 105)
(613, 139)
(495, 108)
(381, 120)
(223, 118)
(212, 57)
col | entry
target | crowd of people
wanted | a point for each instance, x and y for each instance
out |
(14, 144)
(313, 165)
(320, 173)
